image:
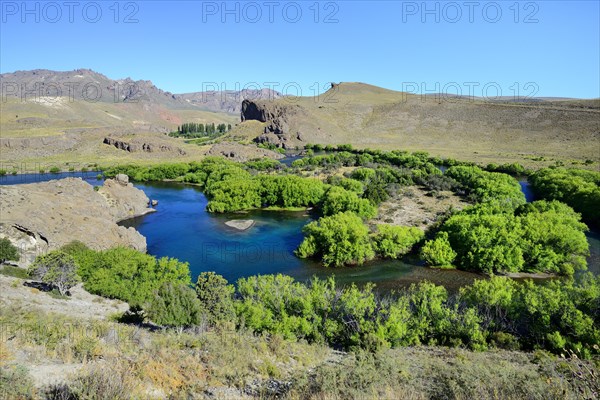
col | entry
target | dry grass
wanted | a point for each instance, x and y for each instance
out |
(367, 116)
(414, 206)
(107, 360)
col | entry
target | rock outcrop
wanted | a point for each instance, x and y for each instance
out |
(136, 146)
(278, 117)
(240, 152)
(123, 199)
(41, 217)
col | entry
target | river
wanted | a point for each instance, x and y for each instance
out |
(182, 228)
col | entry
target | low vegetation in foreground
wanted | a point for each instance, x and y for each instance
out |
(118, 361)
(498, 312)
(273, 337)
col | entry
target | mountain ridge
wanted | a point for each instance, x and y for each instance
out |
(88, 85)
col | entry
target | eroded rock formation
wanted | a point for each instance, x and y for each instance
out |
(277, 116)
(136, 146)
(40, 217)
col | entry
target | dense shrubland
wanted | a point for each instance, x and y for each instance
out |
(126, 274)
(499, 233)
(578, 188)
(495, 312)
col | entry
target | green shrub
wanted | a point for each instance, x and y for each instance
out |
(16, 272)
(216, 297)
(488, 186)
(129, 275)
(15, 382)
(174, 305)
(8, 252)
(438, 252)
(338, 240)
(578, 188)
(338, 200)
(396, 241)
(536, 237)
(57, 269)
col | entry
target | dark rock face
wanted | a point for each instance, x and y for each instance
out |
(251, 111)
(133, 147)
(277, 117)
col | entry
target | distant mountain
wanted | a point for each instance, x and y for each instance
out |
(83, 84)
(91, 86)
(226, 101)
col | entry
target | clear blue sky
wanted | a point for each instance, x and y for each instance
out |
(183, 46)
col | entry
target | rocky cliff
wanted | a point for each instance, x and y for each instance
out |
(279, 118)
(137, 145)
(40, 217)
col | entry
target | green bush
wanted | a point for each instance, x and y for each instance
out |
(438, 252)
(8, 252)
(338, 240)
(17, 272)
(129, 275)
(578, 188)
(15, 382)
(396, 241)
(338, 199)
(216, 297)
(488, 186)
(57, 269)
(174, 305)
(536, 237)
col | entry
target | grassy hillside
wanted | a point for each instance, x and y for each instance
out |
(368, 116)
(56, 131)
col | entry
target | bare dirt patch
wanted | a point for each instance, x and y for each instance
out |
(415, 206)
(81, 304)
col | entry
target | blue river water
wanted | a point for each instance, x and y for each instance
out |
(182, 228)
